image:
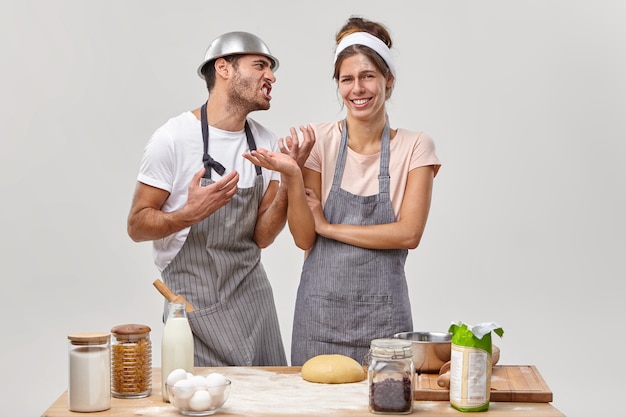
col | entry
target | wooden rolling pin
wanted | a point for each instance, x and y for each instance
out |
(170, 296)
(444, 373)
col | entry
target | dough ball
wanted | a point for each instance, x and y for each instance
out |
(333, 369)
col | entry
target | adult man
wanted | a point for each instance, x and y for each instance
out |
(209, 210)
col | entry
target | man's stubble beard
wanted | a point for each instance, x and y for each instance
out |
(243, 96)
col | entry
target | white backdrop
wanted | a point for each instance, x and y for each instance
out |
(526, 103)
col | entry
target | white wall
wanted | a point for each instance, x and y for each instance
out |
(526, 102)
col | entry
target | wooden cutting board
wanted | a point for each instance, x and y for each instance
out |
(509, 383)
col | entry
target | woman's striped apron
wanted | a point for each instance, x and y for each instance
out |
(349, 295)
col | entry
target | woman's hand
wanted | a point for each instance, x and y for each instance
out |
(298, 149)
(404, 233)
(315, 205)
(289, 200)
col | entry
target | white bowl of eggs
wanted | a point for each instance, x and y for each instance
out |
(197, 395)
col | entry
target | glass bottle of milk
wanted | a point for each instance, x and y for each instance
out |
(177, 344)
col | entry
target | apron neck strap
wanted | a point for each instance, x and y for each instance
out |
(207, 160)
(383, 175)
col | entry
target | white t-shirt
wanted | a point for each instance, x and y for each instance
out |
(173, 155)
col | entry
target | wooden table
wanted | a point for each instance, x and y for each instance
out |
(281, 391)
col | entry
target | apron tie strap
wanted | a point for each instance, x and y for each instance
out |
(212, 163)
(207, 160)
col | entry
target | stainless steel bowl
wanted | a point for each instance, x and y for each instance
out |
(237, 43)
(430, 349)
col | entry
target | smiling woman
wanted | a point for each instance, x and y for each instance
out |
(369, 188)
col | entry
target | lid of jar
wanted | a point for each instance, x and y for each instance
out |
(130, 331)
(89, 338)
(391, 347)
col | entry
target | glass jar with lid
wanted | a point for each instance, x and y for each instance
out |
(131, 361)
(390, 376)
(89, 386)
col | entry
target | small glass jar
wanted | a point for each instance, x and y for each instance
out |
(131, 361)
(390, 376)
(89, 372)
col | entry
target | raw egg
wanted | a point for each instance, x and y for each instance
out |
(200, 400)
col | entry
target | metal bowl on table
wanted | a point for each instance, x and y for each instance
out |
(430, 349)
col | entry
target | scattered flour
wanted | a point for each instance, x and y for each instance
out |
(155, 411)
(254, 392)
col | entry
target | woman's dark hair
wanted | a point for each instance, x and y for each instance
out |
(359, 24)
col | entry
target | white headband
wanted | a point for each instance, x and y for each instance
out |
(371, 41)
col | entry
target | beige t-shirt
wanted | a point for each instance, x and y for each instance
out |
(409, 150)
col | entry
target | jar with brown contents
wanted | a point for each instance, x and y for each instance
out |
(131, 361)
(390, 376)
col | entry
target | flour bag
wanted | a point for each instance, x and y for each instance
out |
(470, 365)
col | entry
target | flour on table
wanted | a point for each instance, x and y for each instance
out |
(254, 391)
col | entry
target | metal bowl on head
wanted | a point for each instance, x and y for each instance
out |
(236, 43)
(430, 350)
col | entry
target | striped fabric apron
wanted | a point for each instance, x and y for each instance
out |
(349, 295)
(219, 271)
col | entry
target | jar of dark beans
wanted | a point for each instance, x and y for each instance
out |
(390, 376)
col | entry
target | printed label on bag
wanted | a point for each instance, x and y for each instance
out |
(470, 377)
